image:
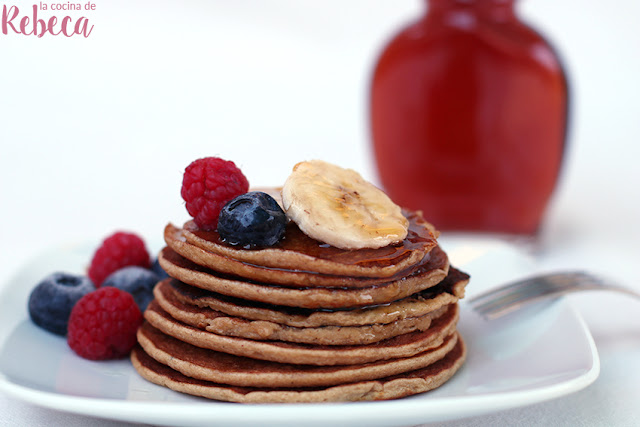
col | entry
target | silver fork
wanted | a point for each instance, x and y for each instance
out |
(505, 299)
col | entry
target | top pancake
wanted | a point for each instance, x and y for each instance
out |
(175, 239)
(299, 252)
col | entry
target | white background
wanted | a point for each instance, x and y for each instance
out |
(95, 134)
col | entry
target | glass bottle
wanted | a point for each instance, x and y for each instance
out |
(468, 117)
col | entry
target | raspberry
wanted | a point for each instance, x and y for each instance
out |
(103, 324)
(207, 185)
(118, 250)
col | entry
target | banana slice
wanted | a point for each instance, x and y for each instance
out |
(337, 206)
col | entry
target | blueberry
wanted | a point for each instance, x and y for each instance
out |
(252, 219)
(51, 301)
(138, 281)
(156, 268)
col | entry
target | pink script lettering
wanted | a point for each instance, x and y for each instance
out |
(39, 27)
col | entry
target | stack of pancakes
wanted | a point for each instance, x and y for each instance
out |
(302, 321)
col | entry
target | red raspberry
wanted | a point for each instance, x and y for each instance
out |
(117, 251)
(207, 185)
(103, 324)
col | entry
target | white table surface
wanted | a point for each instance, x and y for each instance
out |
(95, 134)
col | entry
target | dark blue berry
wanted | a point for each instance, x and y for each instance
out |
(156, 268)
(51, 301)
(252, 219)
(138, 281)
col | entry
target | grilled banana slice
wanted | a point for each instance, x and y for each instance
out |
(337, 206)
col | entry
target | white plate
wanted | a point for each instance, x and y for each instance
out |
(527, 357)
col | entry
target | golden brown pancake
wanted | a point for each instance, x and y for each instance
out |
(175, 239)
(401, 385)
(300, 252)
(209, 365)
(428, 275)
(448, 291)
(293, 353)
(222, 324)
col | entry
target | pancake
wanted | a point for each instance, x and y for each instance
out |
(300, 252)
(448, 291)
(222, 324)
(428, 275)
(175, 239)
(209, 365)
(405, 345)
(401, 385)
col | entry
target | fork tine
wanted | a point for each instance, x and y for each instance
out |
(495, 303)
(534, 290)
(529, 283)
(505, 300)
(528, 290)
(503, 290)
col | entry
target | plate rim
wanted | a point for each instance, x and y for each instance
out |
(439, 409)
(405, 411)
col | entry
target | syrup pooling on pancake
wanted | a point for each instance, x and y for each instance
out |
(300, 252)
(175, 240)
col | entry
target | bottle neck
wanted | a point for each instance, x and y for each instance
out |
(498, 10)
